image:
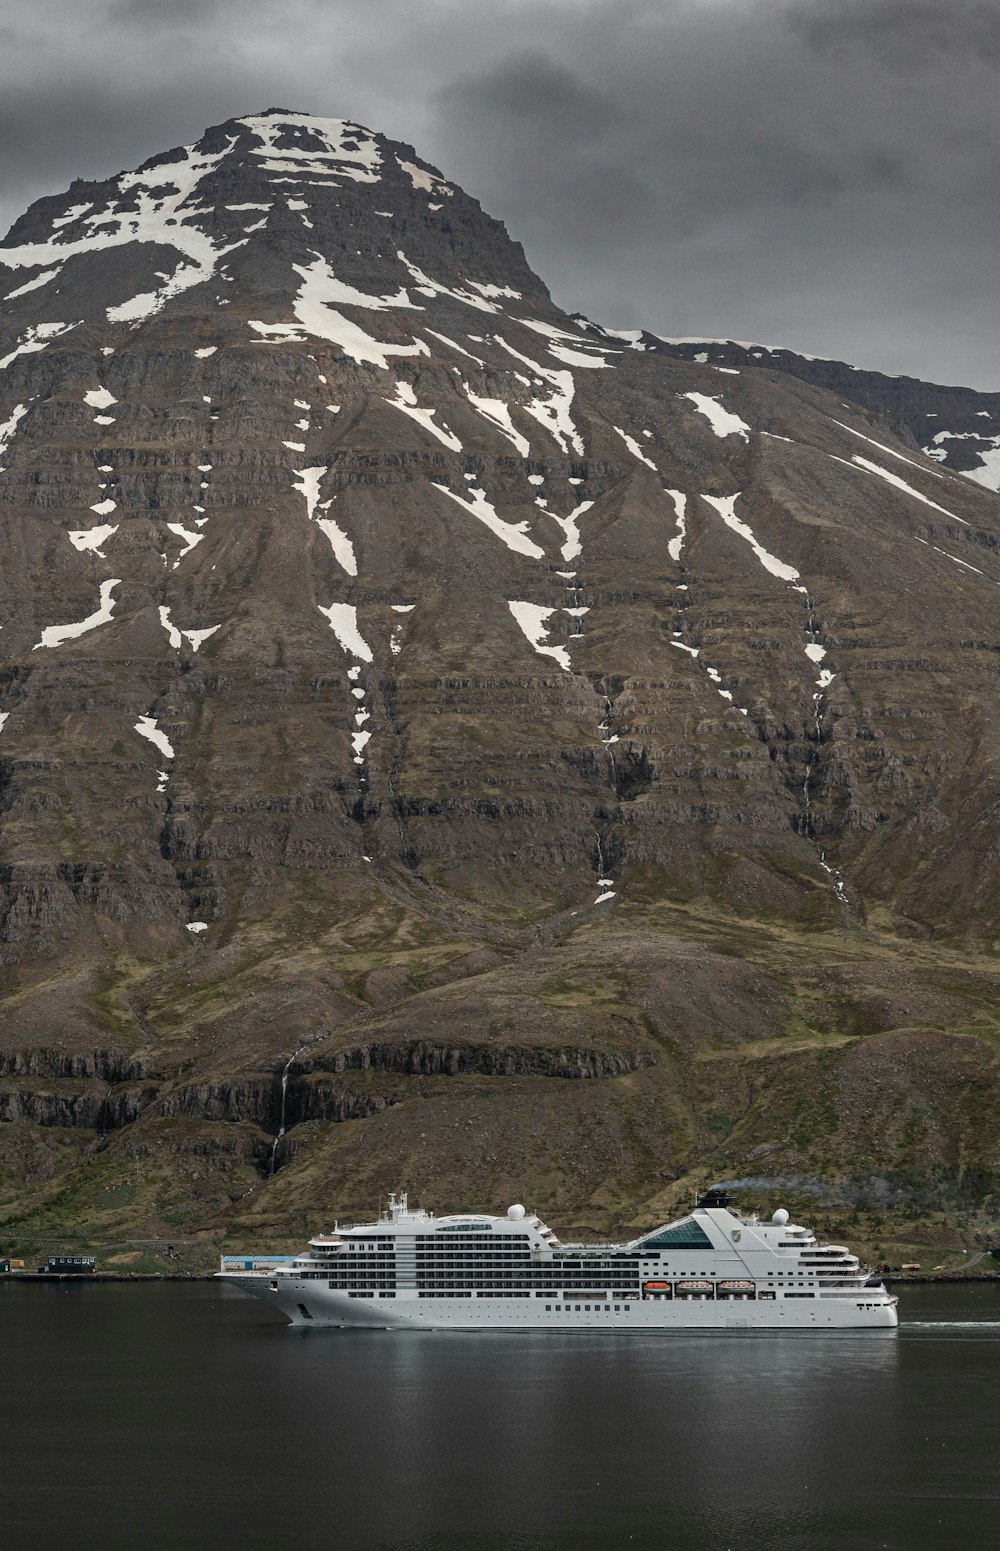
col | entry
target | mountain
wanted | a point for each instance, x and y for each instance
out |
(444, 745)
(947, 424)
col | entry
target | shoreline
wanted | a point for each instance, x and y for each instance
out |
(210, 1276)
(941, 1276)
(107, 1276)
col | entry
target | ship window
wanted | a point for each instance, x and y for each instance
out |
(680, 1235)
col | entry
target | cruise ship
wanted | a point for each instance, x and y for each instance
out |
(715, 1269)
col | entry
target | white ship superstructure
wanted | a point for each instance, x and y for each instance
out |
(713, 1270)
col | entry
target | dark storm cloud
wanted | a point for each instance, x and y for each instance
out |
(907, 34)
(810, 172)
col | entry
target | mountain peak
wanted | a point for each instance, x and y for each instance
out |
(241, 211)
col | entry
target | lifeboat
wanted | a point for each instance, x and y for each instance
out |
(694, 1289)
(656, 1286)
(736, 1289)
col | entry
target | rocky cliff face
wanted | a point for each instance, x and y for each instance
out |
(412, 694)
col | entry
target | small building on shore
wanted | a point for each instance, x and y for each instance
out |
(70, 1265)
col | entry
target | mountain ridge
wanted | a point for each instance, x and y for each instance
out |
(899, 398)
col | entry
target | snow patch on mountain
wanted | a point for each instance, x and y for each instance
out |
(899, 484)
(316, 314)
(36, 338)
(196, 637)
(190, 539)
(532, 619)
(92, 538)
(571, 357)
(552, 413)
(944, 552)
(571, 349)
(725, 506)
(406, 400)
(713, 674)
(430, 287)
(146, 728)
(453, 346)
(680, 509)
(161, 218)
(513, 534)
(722, 420)
(741, 344)
(345, 149)
(890, 450)
(987, 447)
(343, 619)
(99, 398)
(176, 636)
(308, 483)
(35, 284)
(498, 415)
(149, 207)
(573, 546)
(55, 635)
(9, 426)
(635, 449)
(423, 178)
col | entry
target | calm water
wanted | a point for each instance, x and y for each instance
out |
(189, 1416)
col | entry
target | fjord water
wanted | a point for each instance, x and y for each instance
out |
(165, 1415)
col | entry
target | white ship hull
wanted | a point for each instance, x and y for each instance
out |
(308, 1305)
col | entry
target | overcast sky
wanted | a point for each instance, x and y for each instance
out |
(814, 173)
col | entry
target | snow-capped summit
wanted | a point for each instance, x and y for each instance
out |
(207, 215)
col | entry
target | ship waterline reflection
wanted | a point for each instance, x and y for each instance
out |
(172, 1416)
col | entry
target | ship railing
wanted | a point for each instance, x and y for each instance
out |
(574, 1251)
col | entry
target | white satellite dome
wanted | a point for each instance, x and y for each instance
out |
(780, 1217)
(516, 1212)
